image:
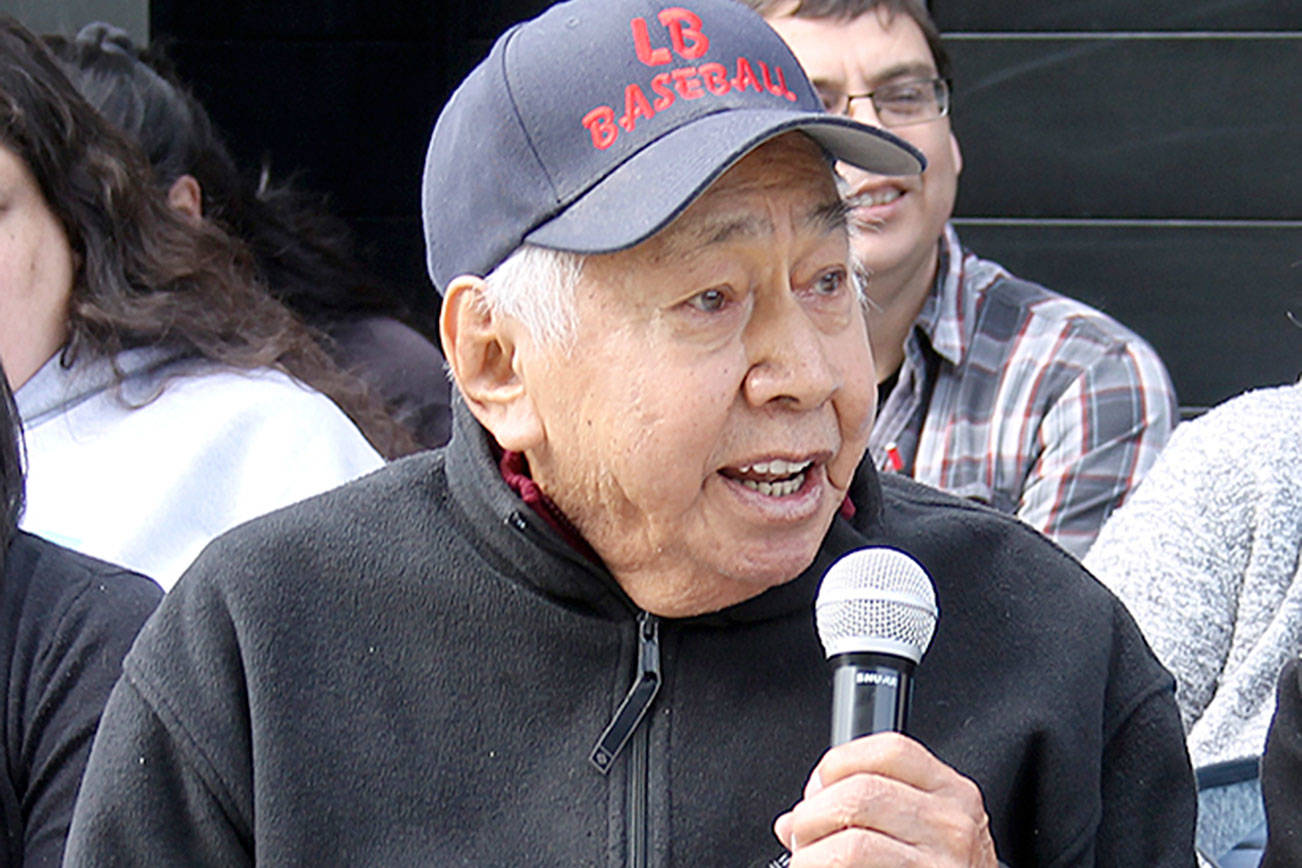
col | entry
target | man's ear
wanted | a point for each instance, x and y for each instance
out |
(186, 196)
(483, 349)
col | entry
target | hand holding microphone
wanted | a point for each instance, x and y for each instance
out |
(878, 797)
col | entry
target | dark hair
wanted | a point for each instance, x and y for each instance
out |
(848, 10)
(146, 276)
(303, 254)
(11, 467)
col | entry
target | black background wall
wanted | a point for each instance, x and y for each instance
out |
(1147, 158)
(1144, 157)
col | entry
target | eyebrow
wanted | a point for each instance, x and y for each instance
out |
(829, 216)
(908, 69)
(730, 228)
(903, 70)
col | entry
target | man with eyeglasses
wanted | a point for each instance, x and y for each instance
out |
(989, 386)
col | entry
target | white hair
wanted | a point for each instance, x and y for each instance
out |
(538, 286)
(860, 274)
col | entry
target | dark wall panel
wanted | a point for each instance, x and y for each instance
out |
(354, 117)
(1214, 301)
(1207, 128)
(444, 22)
(1023, 15)
(329, 20)
(487, 20)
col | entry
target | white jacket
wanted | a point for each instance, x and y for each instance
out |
(146, 474)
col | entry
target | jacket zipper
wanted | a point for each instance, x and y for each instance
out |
(624, 727)
(639, 784)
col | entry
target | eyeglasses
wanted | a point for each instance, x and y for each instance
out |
(898, 104)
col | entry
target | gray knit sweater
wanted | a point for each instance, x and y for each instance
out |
(1205, 556)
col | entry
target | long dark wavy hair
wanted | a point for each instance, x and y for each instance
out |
(146, 276)
(11, 468)
(303, 253)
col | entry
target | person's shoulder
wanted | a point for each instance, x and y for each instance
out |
(408, 488)
(968, 540)
(205, 396)
(401, 506)
(1253, 434)
(58, 567)
(382, 340)
(1274, 411)
(903, 496)
(250, 392)
(1222, 492)
(293, 571)
(1043, 310)
(274, 415)
(909, 503)
(46, 580)
(994, 574)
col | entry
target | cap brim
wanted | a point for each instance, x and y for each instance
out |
(647, 191)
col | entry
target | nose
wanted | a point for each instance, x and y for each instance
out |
(789, 360)
(861, 109)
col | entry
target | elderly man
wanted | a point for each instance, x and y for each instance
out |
(991, 387)
(582, 634)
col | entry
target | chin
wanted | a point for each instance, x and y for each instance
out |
(772, 568)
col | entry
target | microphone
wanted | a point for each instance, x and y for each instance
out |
(876, 613)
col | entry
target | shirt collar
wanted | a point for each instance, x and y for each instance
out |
(941, 317)
(515, 473)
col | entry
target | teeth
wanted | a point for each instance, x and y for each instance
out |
(782, 488)
(878, 197)
(777, 467)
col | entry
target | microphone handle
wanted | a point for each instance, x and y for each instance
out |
(870, 693)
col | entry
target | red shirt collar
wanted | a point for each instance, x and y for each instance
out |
(515, 473)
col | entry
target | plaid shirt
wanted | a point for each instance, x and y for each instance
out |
(1024, 400)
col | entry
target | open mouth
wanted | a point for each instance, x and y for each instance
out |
(774, 478)
(874, 198)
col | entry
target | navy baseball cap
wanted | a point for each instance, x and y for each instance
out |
(589, 128)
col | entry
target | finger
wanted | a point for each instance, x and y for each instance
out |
(814, 784)
(890, 754)
(855, 847)
(864, 801)
(938, 822)
(782, 829)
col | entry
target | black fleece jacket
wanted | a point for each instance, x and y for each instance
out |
(1281, 773)
(414, 670)
(66, 621)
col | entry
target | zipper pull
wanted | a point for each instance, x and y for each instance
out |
(639, 698)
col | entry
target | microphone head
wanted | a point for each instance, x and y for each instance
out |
(876, 600)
